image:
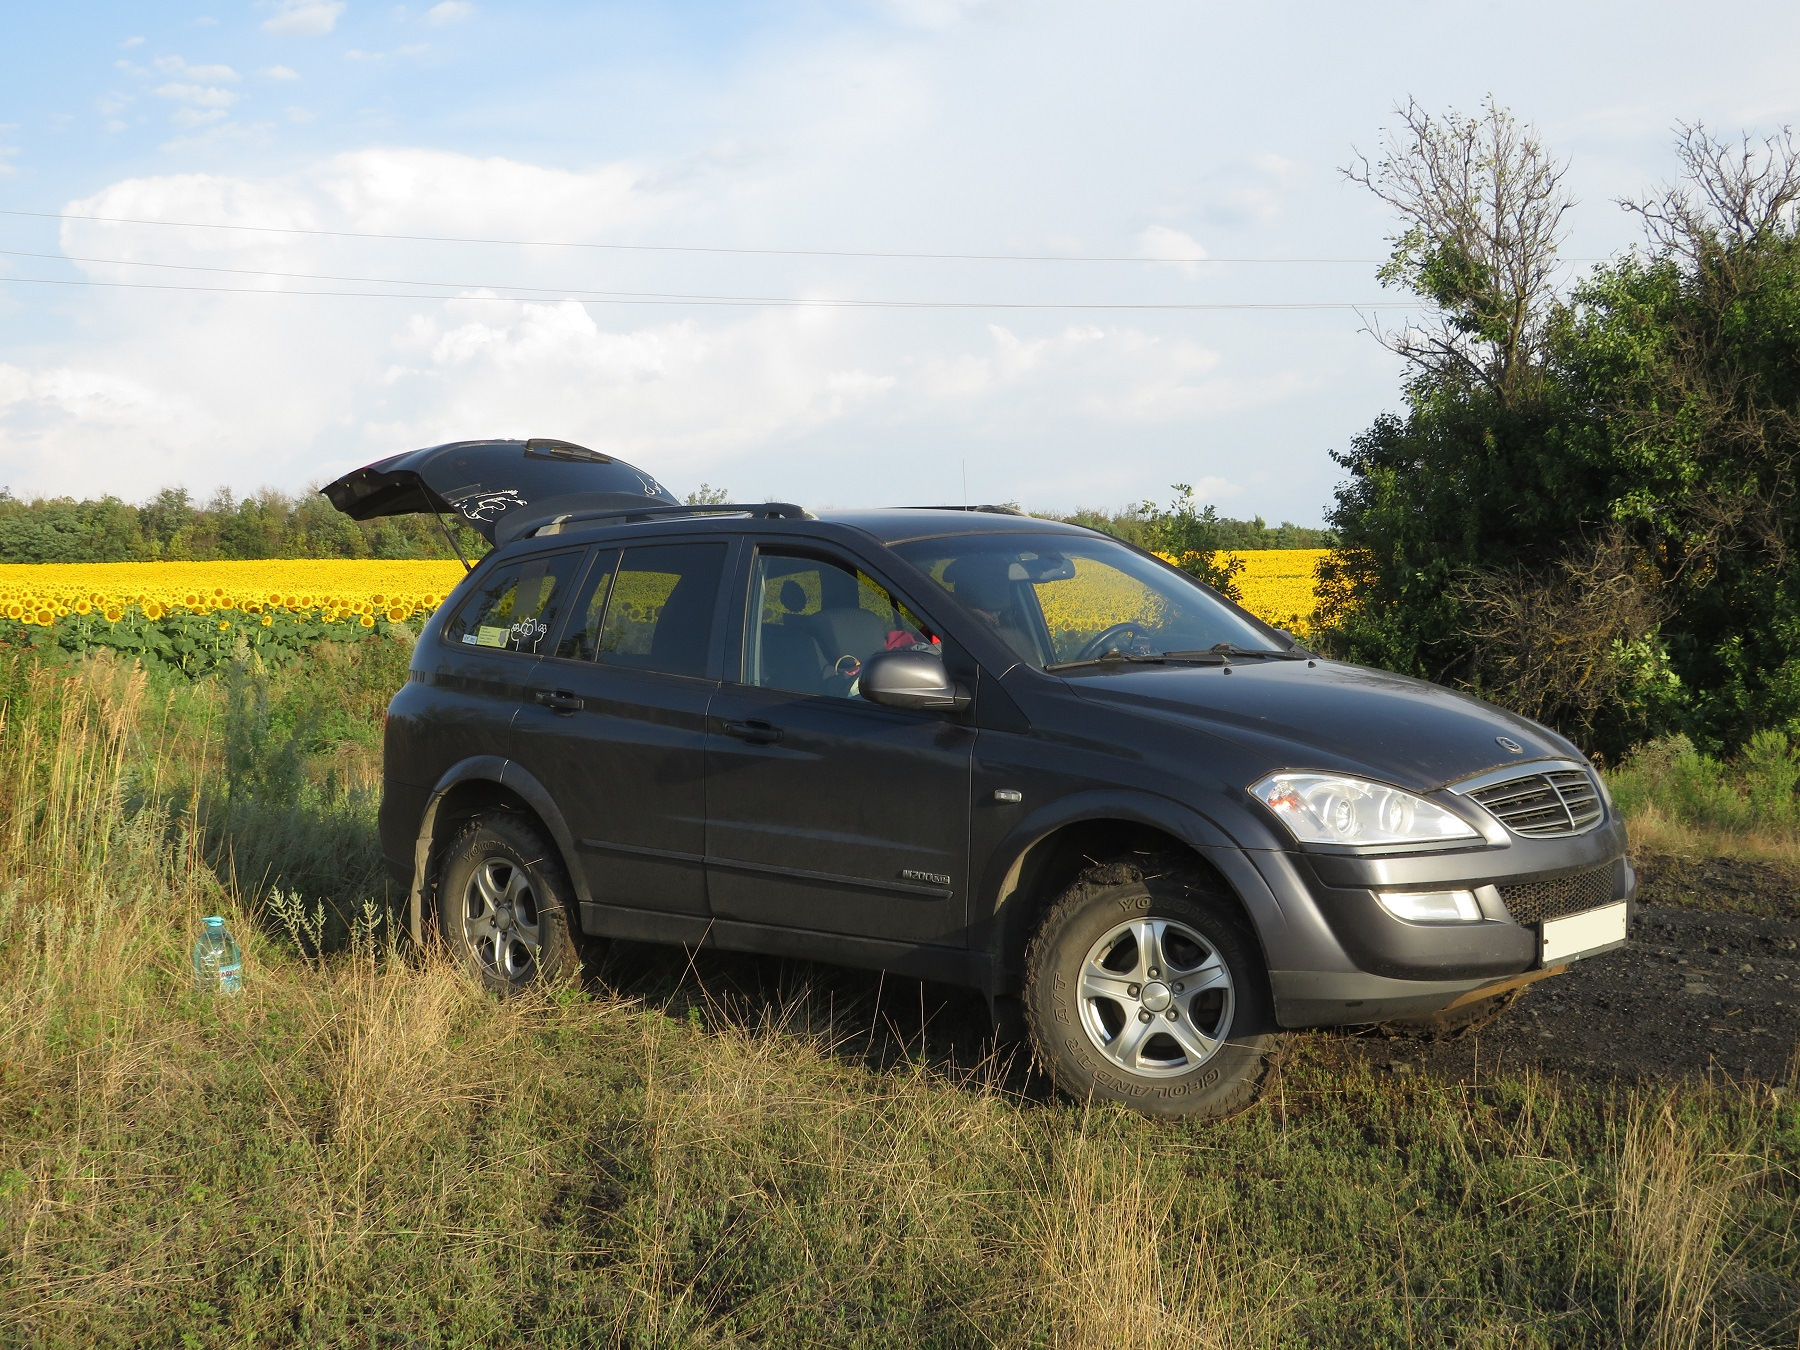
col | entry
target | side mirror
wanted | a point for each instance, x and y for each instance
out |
(910, 680)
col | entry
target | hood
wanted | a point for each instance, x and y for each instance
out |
(1334, 717)
(502, 488)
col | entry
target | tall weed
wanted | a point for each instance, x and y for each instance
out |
(1676, 796)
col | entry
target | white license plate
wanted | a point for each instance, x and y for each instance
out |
(1583, 934)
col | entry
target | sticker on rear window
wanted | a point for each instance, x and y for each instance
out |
(491, 637)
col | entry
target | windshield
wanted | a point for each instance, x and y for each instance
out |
(1058, 599)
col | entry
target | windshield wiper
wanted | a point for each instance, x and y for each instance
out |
(1225, 651)
(1141, 658)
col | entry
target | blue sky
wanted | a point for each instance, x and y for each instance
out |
(1135, 130)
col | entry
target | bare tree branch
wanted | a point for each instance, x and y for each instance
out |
(1481, 206)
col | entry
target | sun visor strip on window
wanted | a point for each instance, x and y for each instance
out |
(503, 489)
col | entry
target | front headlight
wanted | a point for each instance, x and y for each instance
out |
(1324, 808)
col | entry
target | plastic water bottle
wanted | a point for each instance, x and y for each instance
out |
(218, 967)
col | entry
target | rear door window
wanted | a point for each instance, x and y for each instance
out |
(660, 610)
(515, 609)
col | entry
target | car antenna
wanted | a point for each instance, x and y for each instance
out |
(451, 540)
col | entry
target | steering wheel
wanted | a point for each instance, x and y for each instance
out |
(1108, 640)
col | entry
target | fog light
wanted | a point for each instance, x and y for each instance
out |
(1431, 906)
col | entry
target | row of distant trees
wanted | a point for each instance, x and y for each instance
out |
(269, 524)
(172, 526)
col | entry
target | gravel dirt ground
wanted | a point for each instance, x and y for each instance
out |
(1710, 984)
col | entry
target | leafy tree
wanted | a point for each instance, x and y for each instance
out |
(1193, 537)
(1587, 509)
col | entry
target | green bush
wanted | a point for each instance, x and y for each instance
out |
(1756, 790)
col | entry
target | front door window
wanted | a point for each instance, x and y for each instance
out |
(813, 623)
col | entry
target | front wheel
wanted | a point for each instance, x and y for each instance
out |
(1141, 987)
(505, 905)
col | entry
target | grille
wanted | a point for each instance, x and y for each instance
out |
(1534, 901)
(1559, 801)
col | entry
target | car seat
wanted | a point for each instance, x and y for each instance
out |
(788, 656)
(981, 582)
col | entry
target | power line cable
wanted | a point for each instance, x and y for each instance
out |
(736, 301)
(679, 248)
(563, 292)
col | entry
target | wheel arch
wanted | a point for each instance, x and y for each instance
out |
(478, 784)
(1039, 859)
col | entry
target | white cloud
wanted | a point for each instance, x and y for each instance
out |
(221, 136)
(174, 65)
(825, 148)
(448, 12)
(196, 117)
(54, 417)
(303, 18)
(936, 13)
(201, 96)
(298, 115)
(132, 42)
(280, 73)
(1172, 246)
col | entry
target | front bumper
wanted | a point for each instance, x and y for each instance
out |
(1363, 965)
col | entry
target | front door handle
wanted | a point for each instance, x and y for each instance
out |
(559, 700)
(756, 733)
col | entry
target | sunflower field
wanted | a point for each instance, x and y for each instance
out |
(1279, 585)
(195, 615)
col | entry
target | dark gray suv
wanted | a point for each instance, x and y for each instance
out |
(963, 745)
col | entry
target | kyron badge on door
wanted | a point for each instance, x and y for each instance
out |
(929, 878)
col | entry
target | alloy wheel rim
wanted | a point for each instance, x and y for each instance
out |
(501, 923)
(1156, 997)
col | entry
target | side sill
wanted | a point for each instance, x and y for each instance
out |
(944, 965)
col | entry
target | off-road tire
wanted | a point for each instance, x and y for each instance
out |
(501, 864)
(1455, 1023)
(1064, 1021)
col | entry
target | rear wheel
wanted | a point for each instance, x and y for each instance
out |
(1141, 987)
(505, 905)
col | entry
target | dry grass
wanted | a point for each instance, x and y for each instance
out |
(1673, 1209)
(1653, 827)
(364, 1149)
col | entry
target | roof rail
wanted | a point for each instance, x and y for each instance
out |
(989, 509)
(632, 515)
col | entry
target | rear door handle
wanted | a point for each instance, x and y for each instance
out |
(756, 733)
(559, 700)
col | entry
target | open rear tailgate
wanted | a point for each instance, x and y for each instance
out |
(502, 488)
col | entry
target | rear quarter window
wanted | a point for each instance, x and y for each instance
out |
(516, 608)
